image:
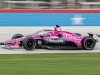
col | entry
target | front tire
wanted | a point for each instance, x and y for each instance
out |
(18, 36)
(29, 43)
(88, 43)
(78, 34)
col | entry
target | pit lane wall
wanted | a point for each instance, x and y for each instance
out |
(49, 17)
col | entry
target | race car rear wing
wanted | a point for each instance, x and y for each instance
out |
(98, 35)
(91, 34)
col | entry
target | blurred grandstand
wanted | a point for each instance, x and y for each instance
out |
(50, 4)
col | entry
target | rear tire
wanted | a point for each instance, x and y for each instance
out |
(29, 43)
(88, 43)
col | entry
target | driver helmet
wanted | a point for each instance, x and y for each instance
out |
(57, 29)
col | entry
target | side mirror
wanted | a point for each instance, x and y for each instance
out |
(59, 35)
(41, 36)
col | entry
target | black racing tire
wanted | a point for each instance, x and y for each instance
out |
(29, 43)
(18, 36)
(88, 43)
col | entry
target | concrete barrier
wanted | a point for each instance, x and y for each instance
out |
(49, 18)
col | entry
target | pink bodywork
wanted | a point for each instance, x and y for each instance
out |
(68, 36)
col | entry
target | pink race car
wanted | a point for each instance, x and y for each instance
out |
(52, 39)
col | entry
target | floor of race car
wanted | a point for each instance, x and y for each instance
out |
(7, 32)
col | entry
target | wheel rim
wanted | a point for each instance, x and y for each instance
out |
(89, 43)
(30, 43)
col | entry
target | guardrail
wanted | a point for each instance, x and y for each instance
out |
(88, 4)
(53, 4)
(35, 4)
(28, 4)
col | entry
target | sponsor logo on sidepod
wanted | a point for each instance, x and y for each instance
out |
(56, 40)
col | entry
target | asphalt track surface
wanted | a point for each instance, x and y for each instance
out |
(7, 32)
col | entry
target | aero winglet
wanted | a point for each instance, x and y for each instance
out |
(91, 34)
(98, 35)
